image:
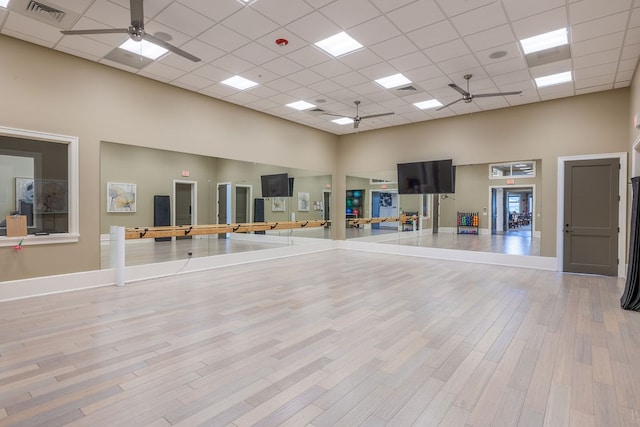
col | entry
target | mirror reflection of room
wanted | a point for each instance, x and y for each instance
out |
(493, 209)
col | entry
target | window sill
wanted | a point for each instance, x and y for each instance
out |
(40, 240)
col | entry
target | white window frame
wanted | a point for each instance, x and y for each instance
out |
(73, 188)
(511, 165)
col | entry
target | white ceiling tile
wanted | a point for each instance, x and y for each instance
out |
(511, 50)
(605, 57)
(366, 88)
(282, 11)
(308, 56)
(192, 82)
(184, 19)
(218, 90)
(586, 82)
(394, 48)
(632, 36)
(212, 73)
(214, 10)
(598, 44)
(377, 71)
(109, 14)
(608, 70)
(305, 77)
(416, 15)
(162, 72)
(282, 66)
(628, 65)
(263, 104)
(37, 32)
(433, 35)
(282, 85)
(456, 7)
(85, 45)
(423, 73)
(260, 75)
(503, 67)
(481, 19)
(624, 75)
(250, 23)
(349, 13)
(223, 38)
(461, 64)
(313, 27)
(360, 59)
(255, 53)
(294, 42)
(587, 10)
(233, 64)
(542, 23)
(592, 89)
(331, 68)
(490, 38)
(447, 51)
(350, 79)
(387, 6)
(374, 31)
(521, 9)
(598, 27)
(630, 52)
(634, 21)
(512, 77)
(242, 97)
(411, 61)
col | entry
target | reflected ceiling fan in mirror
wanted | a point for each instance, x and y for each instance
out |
(136, 32)
(357, 118)
(467, 96)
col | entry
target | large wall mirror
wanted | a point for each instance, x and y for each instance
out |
(495, 208)
(142, 187)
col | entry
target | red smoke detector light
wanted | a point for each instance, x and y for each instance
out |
(282, 42)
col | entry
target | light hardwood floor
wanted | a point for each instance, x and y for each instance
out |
(334, 338)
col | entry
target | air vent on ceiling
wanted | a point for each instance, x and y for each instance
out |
(409, 88)
(316, 111)
(46, 12)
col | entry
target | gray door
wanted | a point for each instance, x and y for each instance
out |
(222, 207)
(591, 216)
(242, 204)
(183, 206)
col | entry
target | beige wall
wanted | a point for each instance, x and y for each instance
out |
(52, 92)
(48, 91)
(586, 124)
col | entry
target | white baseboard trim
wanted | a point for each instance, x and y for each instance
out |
(25, 288)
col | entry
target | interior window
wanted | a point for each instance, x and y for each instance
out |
(34, 182)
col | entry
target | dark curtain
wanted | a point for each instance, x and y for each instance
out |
(630, 299)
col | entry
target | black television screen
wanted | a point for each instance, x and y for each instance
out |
(275, 185)
(430, 177)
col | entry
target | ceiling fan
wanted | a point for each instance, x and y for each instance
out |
(357, 118)
(136, 32)
(468, 97)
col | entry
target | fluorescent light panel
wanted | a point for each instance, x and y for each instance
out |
(144, 48)
(545, 41)
(390, 82)
(300, 105)
(432, 103)
(339, 44)
(239, 83)
(4, 3)
(343, 121)
(553, 79)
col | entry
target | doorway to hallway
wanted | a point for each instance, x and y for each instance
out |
(513, 210)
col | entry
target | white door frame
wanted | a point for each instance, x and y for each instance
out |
(505, 188)
(250, 199)
(622, 207)
(194, 201)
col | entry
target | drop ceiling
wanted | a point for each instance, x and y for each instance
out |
(431, 42)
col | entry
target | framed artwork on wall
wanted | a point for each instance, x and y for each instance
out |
(51, 196)
(121, 197)
(278, 204)
(303, 202)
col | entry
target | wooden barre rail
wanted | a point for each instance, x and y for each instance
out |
(401, 218)
(194, 230)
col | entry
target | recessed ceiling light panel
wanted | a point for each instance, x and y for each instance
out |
(239, 83)
(339, 44)
(432, 103)
(390, 82)
(343, 121)
(300, 105)
(4, 3)
(554, 79)
(545, 41)
(144, 48)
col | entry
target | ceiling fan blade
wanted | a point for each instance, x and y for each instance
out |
(172, 48)
(137, 13)
(459, 89)
(102, 31)
(485, 95)
(449, 104)
(370, 116)
(337, 115)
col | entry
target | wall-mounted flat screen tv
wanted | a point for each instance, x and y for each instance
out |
(429, 177)
(278, 185)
